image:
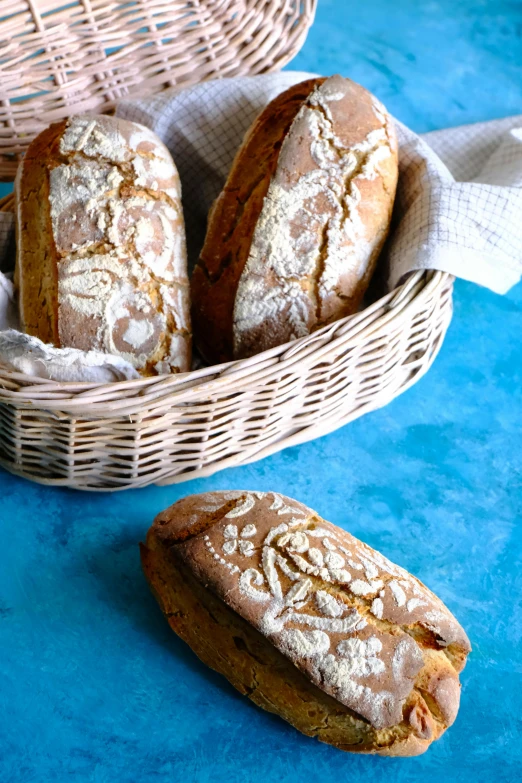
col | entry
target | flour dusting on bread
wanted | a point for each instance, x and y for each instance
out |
(340, 611)
(117, 231)
(293, 239)
(313, 247)
(368, 656)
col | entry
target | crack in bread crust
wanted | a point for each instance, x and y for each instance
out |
(334, 181)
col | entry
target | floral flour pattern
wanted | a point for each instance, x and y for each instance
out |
(339, 610)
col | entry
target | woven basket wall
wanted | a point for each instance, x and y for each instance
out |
(171, 428)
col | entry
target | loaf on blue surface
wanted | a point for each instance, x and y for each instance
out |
(307, 621)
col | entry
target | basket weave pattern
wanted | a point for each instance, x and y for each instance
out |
(59, 59)
(167, 429)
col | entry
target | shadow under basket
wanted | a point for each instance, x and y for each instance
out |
(172, 428)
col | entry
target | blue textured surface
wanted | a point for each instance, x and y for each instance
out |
(94, 685)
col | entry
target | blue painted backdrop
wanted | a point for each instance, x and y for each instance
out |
(92, 682)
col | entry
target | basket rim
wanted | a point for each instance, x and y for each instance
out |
(302, 435)
(37, 393)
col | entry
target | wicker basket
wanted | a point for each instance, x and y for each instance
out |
(171, 428)
(59, 58)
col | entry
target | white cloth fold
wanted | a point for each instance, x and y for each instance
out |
(470, 228)
(25, 354)
(458, 207)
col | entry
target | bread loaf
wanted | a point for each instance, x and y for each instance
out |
(307, 621)
(101, 257)
(294, 236)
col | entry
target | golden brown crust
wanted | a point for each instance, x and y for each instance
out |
(294, 237)
(36, 270)
(232, 220)
(101, 261)
(220, 563)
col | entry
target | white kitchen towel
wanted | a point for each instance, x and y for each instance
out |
(459, 204)
(28, 355)
(458, 207)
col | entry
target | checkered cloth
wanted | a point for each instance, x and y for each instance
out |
(459, 202)
(458, 206)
